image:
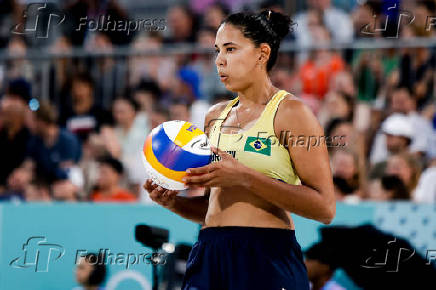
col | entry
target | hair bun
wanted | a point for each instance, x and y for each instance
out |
(279, 23)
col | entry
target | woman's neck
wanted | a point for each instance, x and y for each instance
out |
(257, 94)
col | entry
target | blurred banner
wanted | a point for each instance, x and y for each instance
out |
(40, 243)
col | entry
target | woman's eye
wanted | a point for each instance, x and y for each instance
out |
(230, 49)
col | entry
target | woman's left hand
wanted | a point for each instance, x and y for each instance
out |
(226, 172)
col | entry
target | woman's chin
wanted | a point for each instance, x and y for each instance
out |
(230, 87)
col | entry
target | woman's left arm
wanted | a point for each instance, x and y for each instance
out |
(313, 199)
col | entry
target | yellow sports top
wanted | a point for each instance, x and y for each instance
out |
(257, 147)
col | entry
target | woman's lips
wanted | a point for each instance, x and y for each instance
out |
(223, 78)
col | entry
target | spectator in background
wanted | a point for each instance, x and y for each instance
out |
(417, 64)
(147, 95)
(204, 66)
(395, 136)
(109, 75)
(158, 68)
(215, 13)
(179, 111)
(201, 6)
(388, 188)
(108, 185)
(183, 25)
(336, 21)
(321, 66)
(286, 78)
(403, 102)
(94, 148)
(341, 131)
(90, 272)
(14, 135)
(52, 149)
(38, 191)
(19, 67)
(320, 274)
(64, 190)
(187, 85)
(343, 83)
(11, 12)
(17, 184)
(406, 167)
(426, 188)
(130, 130)
(346, 175)
(351, 248)
(362, 16)
(61, 72)
(84, 116)
(78, 10)
(336, 105)
(159, 115)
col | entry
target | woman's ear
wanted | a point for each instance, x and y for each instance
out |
(265, 52)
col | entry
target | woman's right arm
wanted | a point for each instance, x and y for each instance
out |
(193, 208)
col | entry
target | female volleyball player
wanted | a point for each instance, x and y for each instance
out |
(247, 240)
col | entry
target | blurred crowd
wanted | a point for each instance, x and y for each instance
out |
(82, 139)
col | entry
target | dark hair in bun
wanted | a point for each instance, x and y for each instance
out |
(264, 27)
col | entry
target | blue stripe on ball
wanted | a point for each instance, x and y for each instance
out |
(173, 156)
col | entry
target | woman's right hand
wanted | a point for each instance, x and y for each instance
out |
(160, 195)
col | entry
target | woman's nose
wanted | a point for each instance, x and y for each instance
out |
(219, 61)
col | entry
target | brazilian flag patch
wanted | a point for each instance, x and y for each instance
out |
(258, 145)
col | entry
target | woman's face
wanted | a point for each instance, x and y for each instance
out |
(236, 58)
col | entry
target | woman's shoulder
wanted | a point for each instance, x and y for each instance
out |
(214, 112)
(295, 107)
(292, 103)
(218, 107)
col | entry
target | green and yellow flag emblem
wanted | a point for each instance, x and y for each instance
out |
(258, 145)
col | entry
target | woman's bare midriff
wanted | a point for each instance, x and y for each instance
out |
(235, 206)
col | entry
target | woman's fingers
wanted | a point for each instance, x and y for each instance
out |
(196, 179)
(149, 185)
(159, 194)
